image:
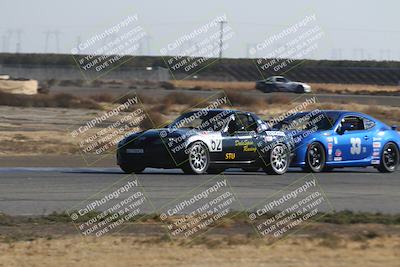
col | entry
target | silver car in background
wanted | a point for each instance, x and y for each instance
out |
(281, 84)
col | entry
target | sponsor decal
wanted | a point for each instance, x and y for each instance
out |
(243, 143)
(335, 140)
(230, 156)
(329, 139)
(375, 154)
(375, 161)
(135, 151)
(338, 153)
(269, 138)
(248, 146)
(376, 144)
(337, 158)
(377, 139)
(275, 133)
(364, 149)
(249, 149)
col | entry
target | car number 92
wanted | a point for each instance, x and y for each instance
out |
(216, 145)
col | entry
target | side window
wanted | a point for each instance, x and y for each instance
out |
(280, 80)
(368, 124)
(352, 123)
(247, 122)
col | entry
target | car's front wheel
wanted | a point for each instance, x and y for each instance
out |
(131, 169)
(389, 159)
(315, 158)
(299, 89)
(198, 159)
(279, 160)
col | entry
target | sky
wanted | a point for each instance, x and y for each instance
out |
(357, 29)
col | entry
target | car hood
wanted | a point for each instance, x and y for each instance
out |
(300, 83)
(164, 133)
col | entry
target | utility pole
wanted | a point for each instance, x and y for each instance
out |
(10, 33)
(78, 42)
(57, 36)
(221, 36)
(19, 44)
(4, 40)
(46, 40)
(147, 40)
(249, 48)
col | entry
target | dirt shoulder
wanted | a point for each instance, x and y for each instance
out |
(145, 244)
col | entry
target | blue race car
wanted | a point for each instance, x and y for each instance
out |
(328, 139)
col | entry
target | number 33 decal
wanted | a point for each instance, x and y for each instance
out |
(355, 146)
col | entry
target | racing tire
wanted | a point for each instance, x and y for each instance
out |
(250, 169)
(315, 158)
(278, 160)
(198, 159)
(389, 161)
(130, 169)
(299, 89)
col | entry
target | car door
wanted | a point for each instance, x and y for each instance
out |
(281, 83)
(239, 141)
(352, 140)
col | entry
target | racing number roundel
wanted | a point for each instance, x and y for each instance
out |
(355, 146)
(216, 145)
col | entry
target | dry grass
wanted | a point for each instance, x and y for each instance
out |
(216, 251)
(337, 88)
(102, 98)
(177, 98)
(214, 85)
(58, 101)
(332, 88)
(154, 119)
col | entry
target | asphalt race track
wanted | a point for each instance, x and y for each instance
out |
(41, 190)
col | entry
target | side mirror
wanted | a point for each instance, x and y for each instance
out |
(394, 127)
(340, 130)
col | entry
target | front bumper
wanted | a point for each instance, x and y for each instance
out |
(149, 153)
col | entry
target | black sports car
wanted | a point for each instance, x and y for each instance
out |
(207, 141)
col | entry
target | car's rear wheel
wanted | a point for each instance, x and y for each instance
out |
(198, 159)
(131, 169)
(278, 162)
(315, 158)
(389, 159)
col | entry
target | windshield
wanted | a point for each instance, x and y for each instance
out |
(202, 120)
(309, 120)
